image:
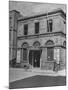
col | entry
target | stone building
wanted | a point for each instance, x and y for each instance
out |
(13, 17)
(41, 40)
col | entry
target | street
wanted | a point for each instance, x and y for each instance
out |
(38, 81)
(20, 78)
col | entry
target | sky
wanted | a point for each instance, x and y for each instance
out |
(33, 8)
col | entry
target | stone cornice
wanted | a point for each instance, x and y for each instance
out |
(41, 35)
(45, 14)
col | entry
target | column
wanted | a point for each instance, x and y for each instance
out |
(43, 57)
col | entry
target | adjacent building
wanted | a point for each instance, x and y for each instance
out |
(39, 40)
(13, 17)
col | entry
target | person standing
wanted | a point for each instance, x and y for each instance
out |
(56, 65)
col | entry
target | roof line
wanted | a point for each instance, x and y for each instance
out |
(45, 14)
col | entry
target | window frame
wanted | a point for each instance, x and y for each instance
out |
(49, 25)
(25, 29)
(25, 53)
(36, 28)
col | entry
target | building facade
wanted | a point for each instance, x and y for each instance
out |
(13, 17)
(41, 40)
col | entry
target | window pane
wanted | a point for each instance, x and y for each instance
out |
(49, 26)
(24, 54)
(49, 53)
(36, 27)
(25, 29)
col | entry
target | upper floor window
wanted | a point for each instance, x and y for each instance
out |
(36, 27)
(49, 25)
(25, 29)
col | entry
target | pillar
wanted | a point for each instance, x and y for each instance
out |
(24, 61)
(43, 58)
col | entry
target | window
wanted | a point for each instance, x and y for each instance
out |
(25, 29)
(36, 44)
(50, 50)
(25, 51)
(49, 43)
(25, 54)
(49, 25)
(64, 43)
(36, 27)
(50, 53)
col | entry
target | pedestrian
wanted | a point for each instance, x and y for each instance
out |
(56, 65)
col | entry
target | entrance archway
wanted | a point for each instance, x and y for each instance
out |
(35, 54)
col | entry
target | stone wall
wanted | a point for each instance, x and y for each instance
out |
(58, 25)
(42, 40)
(13, 16)
(45, 64)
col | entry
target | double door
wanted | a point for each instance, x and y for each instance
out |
(34, 57)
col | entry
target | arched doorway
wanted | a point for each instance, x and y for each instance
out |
(34, 55)
(50, 50)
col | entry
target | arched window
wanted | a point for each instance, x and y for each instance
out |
(25, 45)
(50, 50)
(25, 51)
(64, 43)
(36, 44)
(49, 43)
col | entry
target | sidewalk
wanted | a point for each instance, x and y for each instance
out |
(49, 72)
(19, 73)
